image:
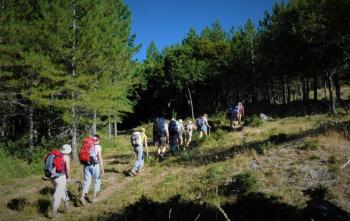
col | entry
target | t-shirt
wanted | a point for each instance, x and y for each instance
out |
(143, 138)
(98, 148)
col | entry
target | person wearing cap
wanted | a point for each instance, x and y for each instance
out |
(181, 129)
(204, 128)
(189, 132)
(95, 171)
(60, 183)
(138, 138)
(144, 140)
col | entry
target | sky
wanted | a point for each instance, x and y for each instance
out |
(167, 22)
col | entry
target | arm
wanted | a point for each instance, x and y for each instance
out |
(67, 161)
(146, 145)
(99, 156)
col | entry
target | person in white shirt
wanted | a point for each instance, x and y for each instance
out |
(95, 170)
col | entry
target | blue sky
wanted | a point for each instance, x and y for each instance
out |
(166, 22)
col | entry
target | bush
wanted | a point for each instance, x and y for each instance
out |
(262, 148)
(214, 172)
(309, 145)
(242, 184)
(254, 121)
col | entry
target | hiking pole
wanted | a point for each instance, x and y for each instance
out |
(345, 164)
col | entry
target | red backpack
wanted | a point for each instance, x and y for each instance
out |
(54, 164)
(85, 151)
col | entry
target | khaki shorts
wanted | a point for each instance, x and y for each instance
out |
(161, 141)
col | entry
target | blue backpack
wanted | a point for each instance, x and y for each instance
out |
(173, 128)
(199, 122)
(159, 125)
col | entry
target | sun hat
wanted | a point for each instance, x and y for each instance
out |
(66, 149)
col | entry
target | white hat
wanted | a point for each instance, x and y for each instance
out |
(66, 149)
(180, 121)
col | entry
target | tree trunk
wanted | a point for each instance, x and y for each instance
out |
(284, 97)
(289, 96)
(74, 114)
(304, 90)
(307, 88)
(94, 130)
(109, 126)
(74, 134)
(337, 87)
(115, 129)
(331, 93)
(191, 103)
(315, 88)
(31, 129)
(325, 90)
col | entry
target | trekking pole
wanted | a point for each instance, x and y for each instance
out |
(345, 164)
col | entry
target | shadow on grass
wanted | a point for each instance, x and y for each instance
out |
(119, 159)
(47, 191)
(17, 204)
(252, 207)
(279, 140)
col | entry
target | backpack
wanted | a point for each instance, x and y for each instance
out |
(159, 125)
(233, 111)
(199, 122)
(173, 128)
(136, 139)
(54, 164)
(87, 154)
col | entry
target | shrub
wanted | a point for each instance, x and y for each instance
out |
(309, 145)
(262, 148)
(254, 121)
(242, 184)
(214, 172)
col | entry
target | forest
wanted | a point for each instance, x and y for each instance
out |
(68, 70)
(66, 67)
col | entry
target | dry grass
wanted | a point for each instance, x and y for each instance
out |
(282, 172)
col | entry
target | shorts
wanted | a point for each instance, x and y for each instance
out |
(204, 128)
(161, 141)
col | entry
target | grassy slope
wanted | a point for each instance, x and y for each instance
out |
(196, 174)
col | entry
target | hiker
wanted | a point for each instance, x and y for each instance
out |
(60, 182)
(189, 132)
(144, 140)
(240, 112)
(173, 135)
(93, 170)
(160, 136)
(181, 130)
(203, 125)
(233, 112)
(137, 141)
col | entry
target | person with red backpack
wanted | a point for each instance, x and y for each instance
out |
(57, 167)
(91, 157)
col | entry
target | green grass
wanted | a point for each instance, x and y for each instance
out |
(196, 174)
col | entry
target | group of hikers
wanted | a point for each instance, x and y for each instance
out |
(174, 134)
(57, 168)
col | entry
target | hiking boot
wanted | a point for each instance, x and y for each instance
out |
(161, 158)
(93, 200)
(132, 173)
(66, 206)
(82, 201)
(53, 214)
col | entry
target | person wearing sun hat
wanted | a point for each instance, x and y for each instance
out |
(60, 183)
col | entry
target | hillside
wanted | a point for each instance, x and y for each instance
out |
(283, 169)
